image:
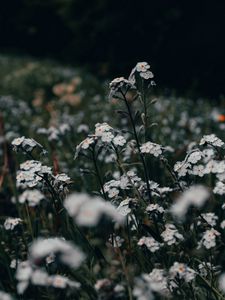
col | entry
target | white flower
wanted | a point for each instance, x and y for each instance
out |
(211, 139)
(142, 66)
(11, 223)
(182, 271)
(155, 207)
(158, 281)
(18, 141)
(64, 250)
(196, 195)
(150, 243)
(181, 168)
(62, 177)
(107, 137)
(116, 241)
(171, 235)
(87, 210)
(222, 224)
(219, 188)
(5, 296)
(210, 218)
(209, 238)
(124, 208)
(61, 282)
(101, 128)
(222, 282)
(33, 197)
(142, 288)
(194, 156)
(151, 148)
(198, 170)
(112, 193)
(119, 140)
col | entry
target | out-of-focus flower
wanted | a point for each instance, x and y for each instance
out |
(33, 197)
(87, 210)
(66, 252)
(150, 243)
(196, 195)
(11, 223)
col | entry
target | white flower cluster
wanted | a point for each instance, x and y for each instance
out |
(209, 238)
(211, 139)
(66, 252)
(125, 182)
(26, 274)
(142, 68)
(210, 218)
(11, 223)
(87, 210)
(25, 144)
(196, 195)
(32, 197)
(31, 173)
(54, 133)
(155, 208)
(104, 134)
(182, 271)
(171, 235)
(152, 148)
(150, 243)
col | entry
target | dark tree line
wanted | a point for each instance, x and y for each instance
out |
(184, 40)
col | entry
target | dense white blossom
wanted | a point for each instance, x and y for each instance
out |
(150, 243)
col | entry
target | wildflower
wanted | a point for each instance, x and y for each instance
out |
(158, 281)
(66, 252)
(119, 83)
(211, 139)
(5, 296)
(112, 193)
(210, 218)
(119, 140)
(222, 282)
(62, 177)
(61, 282)
(182, 271)
(181, 168)
(155, 207)
(195, 156)
(198, 170)
(209, 238)
(171, 235)
(33, 197)
(124, 208)
(142, 288)
(23, 274)
(102, 283)
(26, 144)
(11, 223)
(150, 243)
(222, 224)
(107, 137)
(101, 128)
(116, 240)
(151, 148)
(196, 195)
(142, 68)
(87, 211)
(219, 189)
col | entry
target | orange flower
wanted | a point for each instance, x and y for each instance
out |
(221, 118)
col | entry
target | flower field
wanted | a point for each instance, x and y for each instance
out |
(108, 190)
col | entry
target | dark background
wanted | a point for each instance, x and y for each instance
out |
(184, 41)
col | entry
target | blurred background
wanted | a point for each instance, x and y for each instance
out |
(182, 40)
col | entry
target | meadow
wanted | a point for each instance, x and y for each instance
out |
(108, 190)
